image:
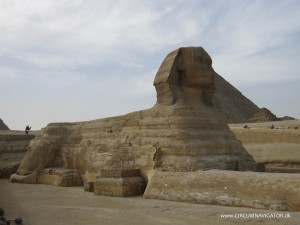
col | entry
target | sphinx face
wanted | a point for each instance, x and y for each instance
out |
(185, 76)
(197, 68)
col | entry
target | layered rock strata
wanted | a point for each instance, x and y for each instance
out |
(229, 188)
(120, 183)
(277, 149)
(12, 149)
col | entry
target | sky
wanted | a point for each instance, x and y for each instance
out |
(79, 60)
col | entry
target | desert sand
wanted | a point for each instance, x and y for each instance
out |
(72, 206)
(285, 124)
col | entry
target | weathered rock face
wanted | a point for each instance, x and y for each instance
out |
(229, 188)
(3, 125)
(12, 149)
(182, 132)
(277, 149)
(185, 77)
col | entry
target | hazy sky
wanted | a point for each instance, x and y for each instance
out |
(77, 60)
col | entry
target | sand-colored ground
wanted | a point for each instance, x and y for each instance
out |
(279, 147)
(48, 205)
(286, 124)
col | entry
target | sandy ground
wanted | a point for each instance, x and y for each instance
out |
(286, 124)
(48, 205)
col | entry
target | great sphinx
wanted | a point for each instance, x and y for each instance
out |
(123, 155)
(182, 132)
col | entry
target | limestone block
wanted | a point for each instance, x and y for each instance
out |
(105, 173)
(89, 186)
(278, 169)
(13, 146)
(28, 179)
(60, 177)
(119, 187)
(278, 150)
(230, 188)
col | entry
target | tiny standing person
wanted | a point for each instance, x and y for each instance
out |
(27, 129)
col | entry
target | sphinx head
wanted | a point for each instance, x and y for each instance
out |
(186, 76)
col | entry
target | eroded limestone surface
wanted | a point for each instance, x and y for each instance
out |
(12, 149)
(273, 191)
(277, 149)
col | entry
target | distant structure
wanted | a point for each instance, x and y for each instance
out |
(263, 115)
(287, 118)
(231, 102)
(3, 125)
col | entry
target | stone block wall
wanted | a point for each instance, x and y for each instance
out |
(12, 150)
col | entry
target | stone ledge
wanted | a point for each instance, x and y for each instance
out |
(274, 191)
(54, 176)
(88, 186)
(119, 173)
(60, 177)
(275, 169)
(119, 187)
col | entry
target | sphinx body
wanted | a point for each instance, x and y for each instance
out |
(181, 132)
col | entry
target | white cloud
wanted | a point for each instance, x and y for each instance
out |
(8, 75)
(52, 61)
